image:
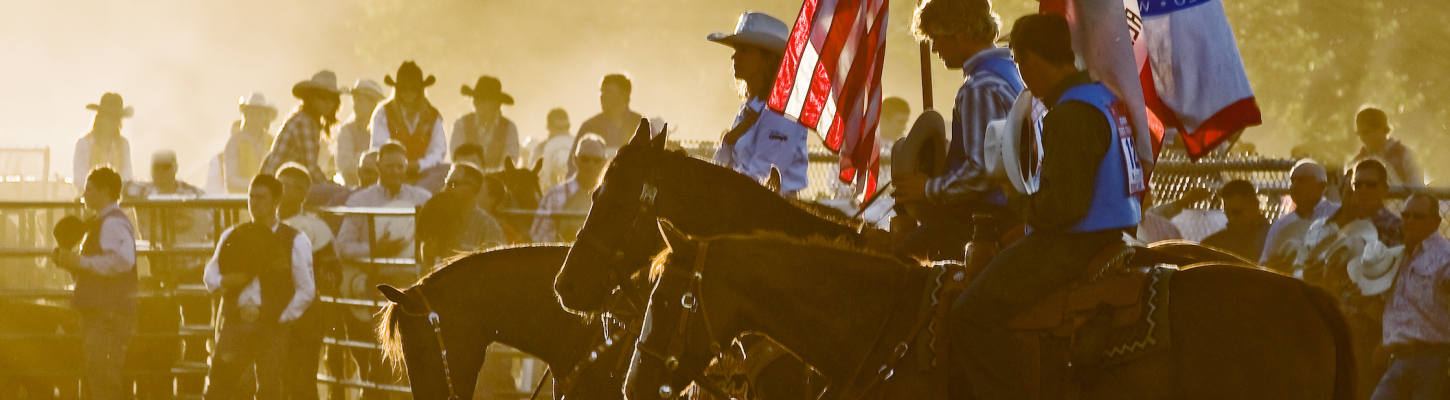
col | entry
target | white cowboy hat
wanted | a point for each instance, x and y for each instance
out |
(755, 29)
(256, 99)
(324, 81)
(366, 88)
(1286, 245)
(1375, 267)
(1003, 144)
(923, 149)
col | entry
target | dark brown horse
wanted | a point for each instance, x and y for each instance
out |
(505, 296)
(511, 190)
(1238, 333)
(645, 182)
(500, 296)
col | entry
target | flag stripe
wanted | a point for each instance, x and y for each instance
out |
(795, 47)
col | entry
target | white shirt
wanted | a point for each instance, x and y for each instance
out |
(304, 289)
(772, 141)
(82, 161)
(118, 247)
(352, 237)
(555, 153)
(1324, 209)
(437, 146)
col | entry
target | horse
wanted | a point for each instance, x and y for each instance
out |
(503, 296)
(644, 182)
(511, 190)
(1238, 333)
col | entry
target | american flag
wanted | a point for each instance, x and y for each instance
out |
(830, 80)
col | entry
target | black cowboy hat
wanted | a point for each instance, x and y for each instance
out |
(488, 87)
(111, 104)
(409, 75)
(68, 232)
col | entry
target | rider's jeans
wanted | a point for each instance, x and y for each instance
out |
(1023, 273)
(1418, 376)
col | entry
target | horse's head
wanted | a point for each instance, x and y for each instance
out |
(619, 236)
(520, 186)
(675, 345)
(407, 334)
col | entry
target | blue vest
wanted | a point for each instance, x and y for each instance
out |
(956, 153)
(1115, 202)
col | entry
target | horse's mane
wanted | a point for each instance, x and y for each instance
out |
(390, 340)
(689, 168)
(814, 243)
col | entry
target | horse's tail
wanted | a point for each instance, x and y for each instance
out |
(1346, 374)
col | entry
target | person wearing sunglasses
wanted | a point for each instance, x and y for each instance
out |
(1417, 315)
(1365, 199)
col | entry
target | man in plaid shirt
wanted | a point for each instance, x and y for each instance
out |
(301, 137)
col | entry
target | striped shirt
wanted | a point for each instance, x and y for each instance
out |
(985, 96)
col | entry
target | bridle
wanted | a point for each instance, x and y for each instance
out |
(599, 347)
(646, 203)
(692, 301)
(437, 325)
(675, 347)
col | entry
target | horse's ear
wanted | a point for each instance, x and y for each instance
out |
(408, 305)
(773, 182)
(659, 140)
(673, 237)
(538, 166)
(508, 163)
(641, 133)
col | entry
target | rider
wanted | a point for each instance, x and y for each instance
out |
(962, 34)
(761, 138)
(1087, 199)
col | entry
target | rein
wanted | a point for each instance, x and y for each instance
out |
(648, 191)
(693, 302)
(438, 335)
(597, 349)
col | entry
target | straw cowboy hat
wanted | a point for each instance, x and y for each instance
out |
(1375, 267)
(488, 87)
(755, 29)
(256, 101)
(365, 88)
(923, 149)
(111, 104)
(324, 81)
(409, 75)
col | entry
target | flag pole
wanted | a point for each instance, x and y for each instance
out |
(926, 103)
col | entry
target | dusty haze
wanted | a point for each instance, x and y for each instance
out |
(182, 64)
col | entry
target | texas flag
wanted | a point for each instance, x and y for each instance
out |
(830, 80)
(1187, 61)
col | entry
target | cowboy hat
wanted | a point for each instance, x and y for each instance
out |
(923, 150)
(255, 100)
(409, 75)
(111, 104)
(325, 81)
(755, 29)
(365, 88)
(1003, 145)
(1375, 266)
(488, 87)
(1284, 248)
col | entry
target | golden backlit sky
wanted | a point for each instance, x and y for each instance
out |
(183, 63)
